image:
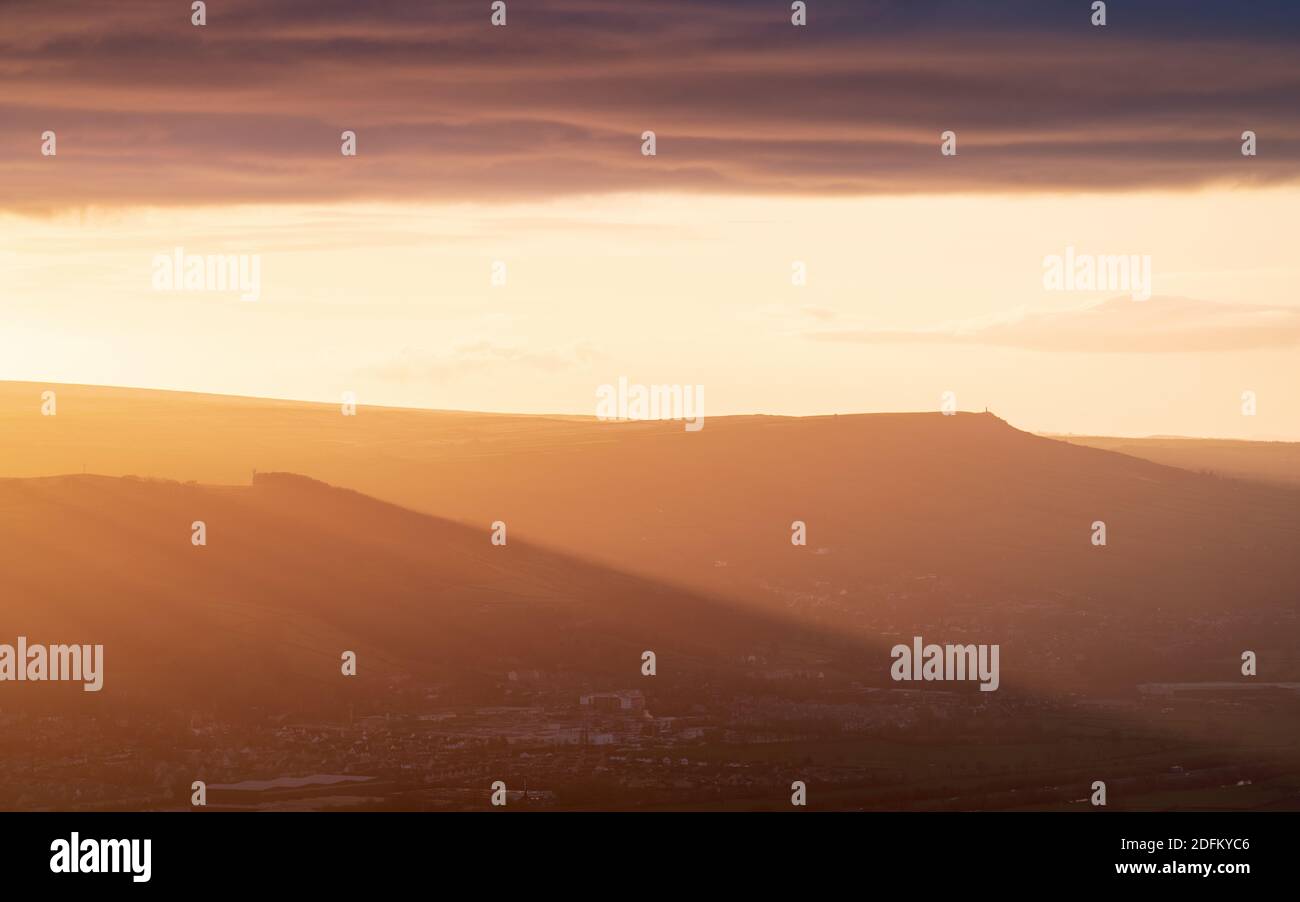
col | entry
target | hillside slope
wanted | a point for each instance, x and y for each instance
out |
(295, 572)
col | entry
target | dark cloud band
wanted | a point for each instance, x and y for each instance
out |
(151, 110)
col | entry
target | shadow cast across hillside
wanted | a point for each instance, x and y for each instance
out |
(294, 572)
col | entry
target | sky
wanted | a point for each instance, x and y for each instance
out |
(776, 146)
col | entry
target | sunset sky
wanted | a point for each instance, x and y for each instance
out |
(775, 144)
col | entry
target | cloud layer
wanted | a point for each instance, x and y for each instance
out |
(151, 110)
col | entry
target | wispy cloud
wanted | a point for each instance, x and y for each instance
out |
(475, 357)
(1121, 324)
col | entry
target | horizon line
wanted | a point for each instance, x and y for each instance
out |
(593, 418)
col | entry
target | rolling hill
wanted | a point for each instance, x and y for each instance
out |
(294, 572)
(913, 520)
